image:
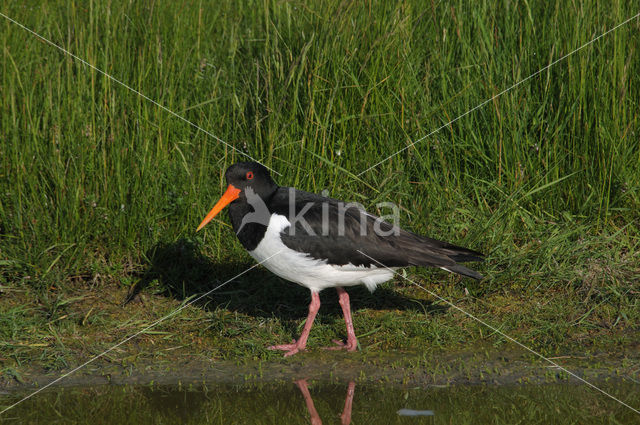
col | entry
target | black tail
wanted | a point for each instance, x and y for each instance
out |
(466, 256)
(464, 271)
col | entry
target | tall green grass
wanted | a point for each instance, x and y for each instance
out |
(546, 178)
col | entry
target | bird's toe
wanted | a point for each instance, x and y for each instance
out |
(290, 349)
(341, 345)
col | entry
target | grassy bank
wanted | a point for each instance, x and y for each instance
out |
(101, 190)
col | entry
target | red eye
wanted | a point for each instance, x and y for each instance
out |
(249, 175)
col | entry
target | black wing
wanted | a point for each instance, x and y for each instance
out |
(328, 229)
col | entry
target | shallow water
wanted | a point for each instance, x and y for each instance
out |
(312, 402)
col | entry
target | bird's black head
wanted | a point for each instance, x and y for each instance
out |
(243, 175)
(241, 178)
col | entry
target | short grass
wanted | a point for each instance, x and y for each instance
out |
(101, 190)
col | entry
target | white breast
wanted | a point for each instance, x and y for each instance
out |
(312, 273)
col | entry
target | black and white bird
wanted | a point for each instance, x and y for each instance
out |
(320, 243)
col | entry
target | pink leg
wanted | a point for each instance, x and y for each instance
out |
(352, 341)
(348, 403)
(315, 418)
(300, 345)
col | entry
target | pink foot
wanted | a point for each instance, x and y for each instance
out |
(352, 341)
(290, 349)
(301, 343)
(340, 345)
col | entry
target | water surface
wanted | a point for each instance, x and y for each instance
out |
(314, 402)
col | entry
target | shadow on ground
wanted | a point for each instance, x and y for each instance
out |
(180, 270)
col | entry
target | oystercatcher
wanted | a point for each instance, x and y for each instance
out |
(320, 243)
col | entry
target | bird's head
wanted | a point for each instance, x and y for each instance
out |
(240, 177)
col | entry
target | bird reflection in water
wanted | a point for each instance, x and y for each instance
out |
(345, 417)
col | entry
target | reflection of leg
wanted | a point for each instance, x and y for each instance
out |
(300, 345)
(315, 418)
(348, 403)
(352, 342)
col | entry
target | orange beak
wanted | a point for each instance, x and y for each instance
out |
(230, 195)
